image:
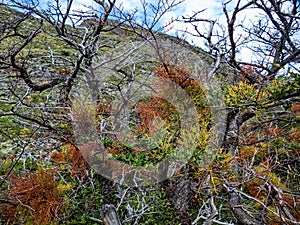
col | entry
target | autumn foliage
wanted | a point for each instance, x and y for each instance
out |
(178, 74)
(155, 113)
(76, 157)
(149, 110)
(36, 196)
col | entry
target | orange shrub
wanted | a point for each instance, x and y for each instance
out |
(178, 74)
(36, 196)
(78, 161)
(295, 108)
(147, 111)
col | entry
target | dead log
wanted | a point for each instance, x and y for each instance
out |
(110, 215)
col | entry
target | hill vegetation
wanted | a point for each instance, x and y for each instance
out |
(81, 88)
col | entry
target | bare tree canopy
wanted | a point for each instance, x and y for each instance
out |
(107, 119)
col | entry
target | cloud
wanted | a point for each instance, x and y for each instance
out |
(210, 9)
(129, 5)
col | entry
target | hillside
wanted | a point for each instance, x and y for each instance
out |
(103, 118)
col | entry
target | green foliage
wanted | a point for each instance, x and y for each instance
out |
(157, 209)
(244, 94)
(35, 127)
(81, 203)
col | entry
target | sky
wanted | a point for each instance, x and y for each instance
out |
(188, 7)
(212, 10)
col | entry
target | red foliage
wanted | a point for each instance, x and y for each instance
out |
(58, 157)
(115, 149)
(37, 195)
(78, 158)
(147, 111)
(295, 108)
(8, 212)
(178, 74)
(270, 131)
(249, 73)
(158, 107)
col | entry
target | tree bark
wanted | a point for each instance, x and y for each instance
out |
(110, 216)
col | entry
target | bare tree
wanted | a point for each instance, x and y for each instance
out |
(268, 31)
(44, 49)
(48, 51)
(271, 35)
